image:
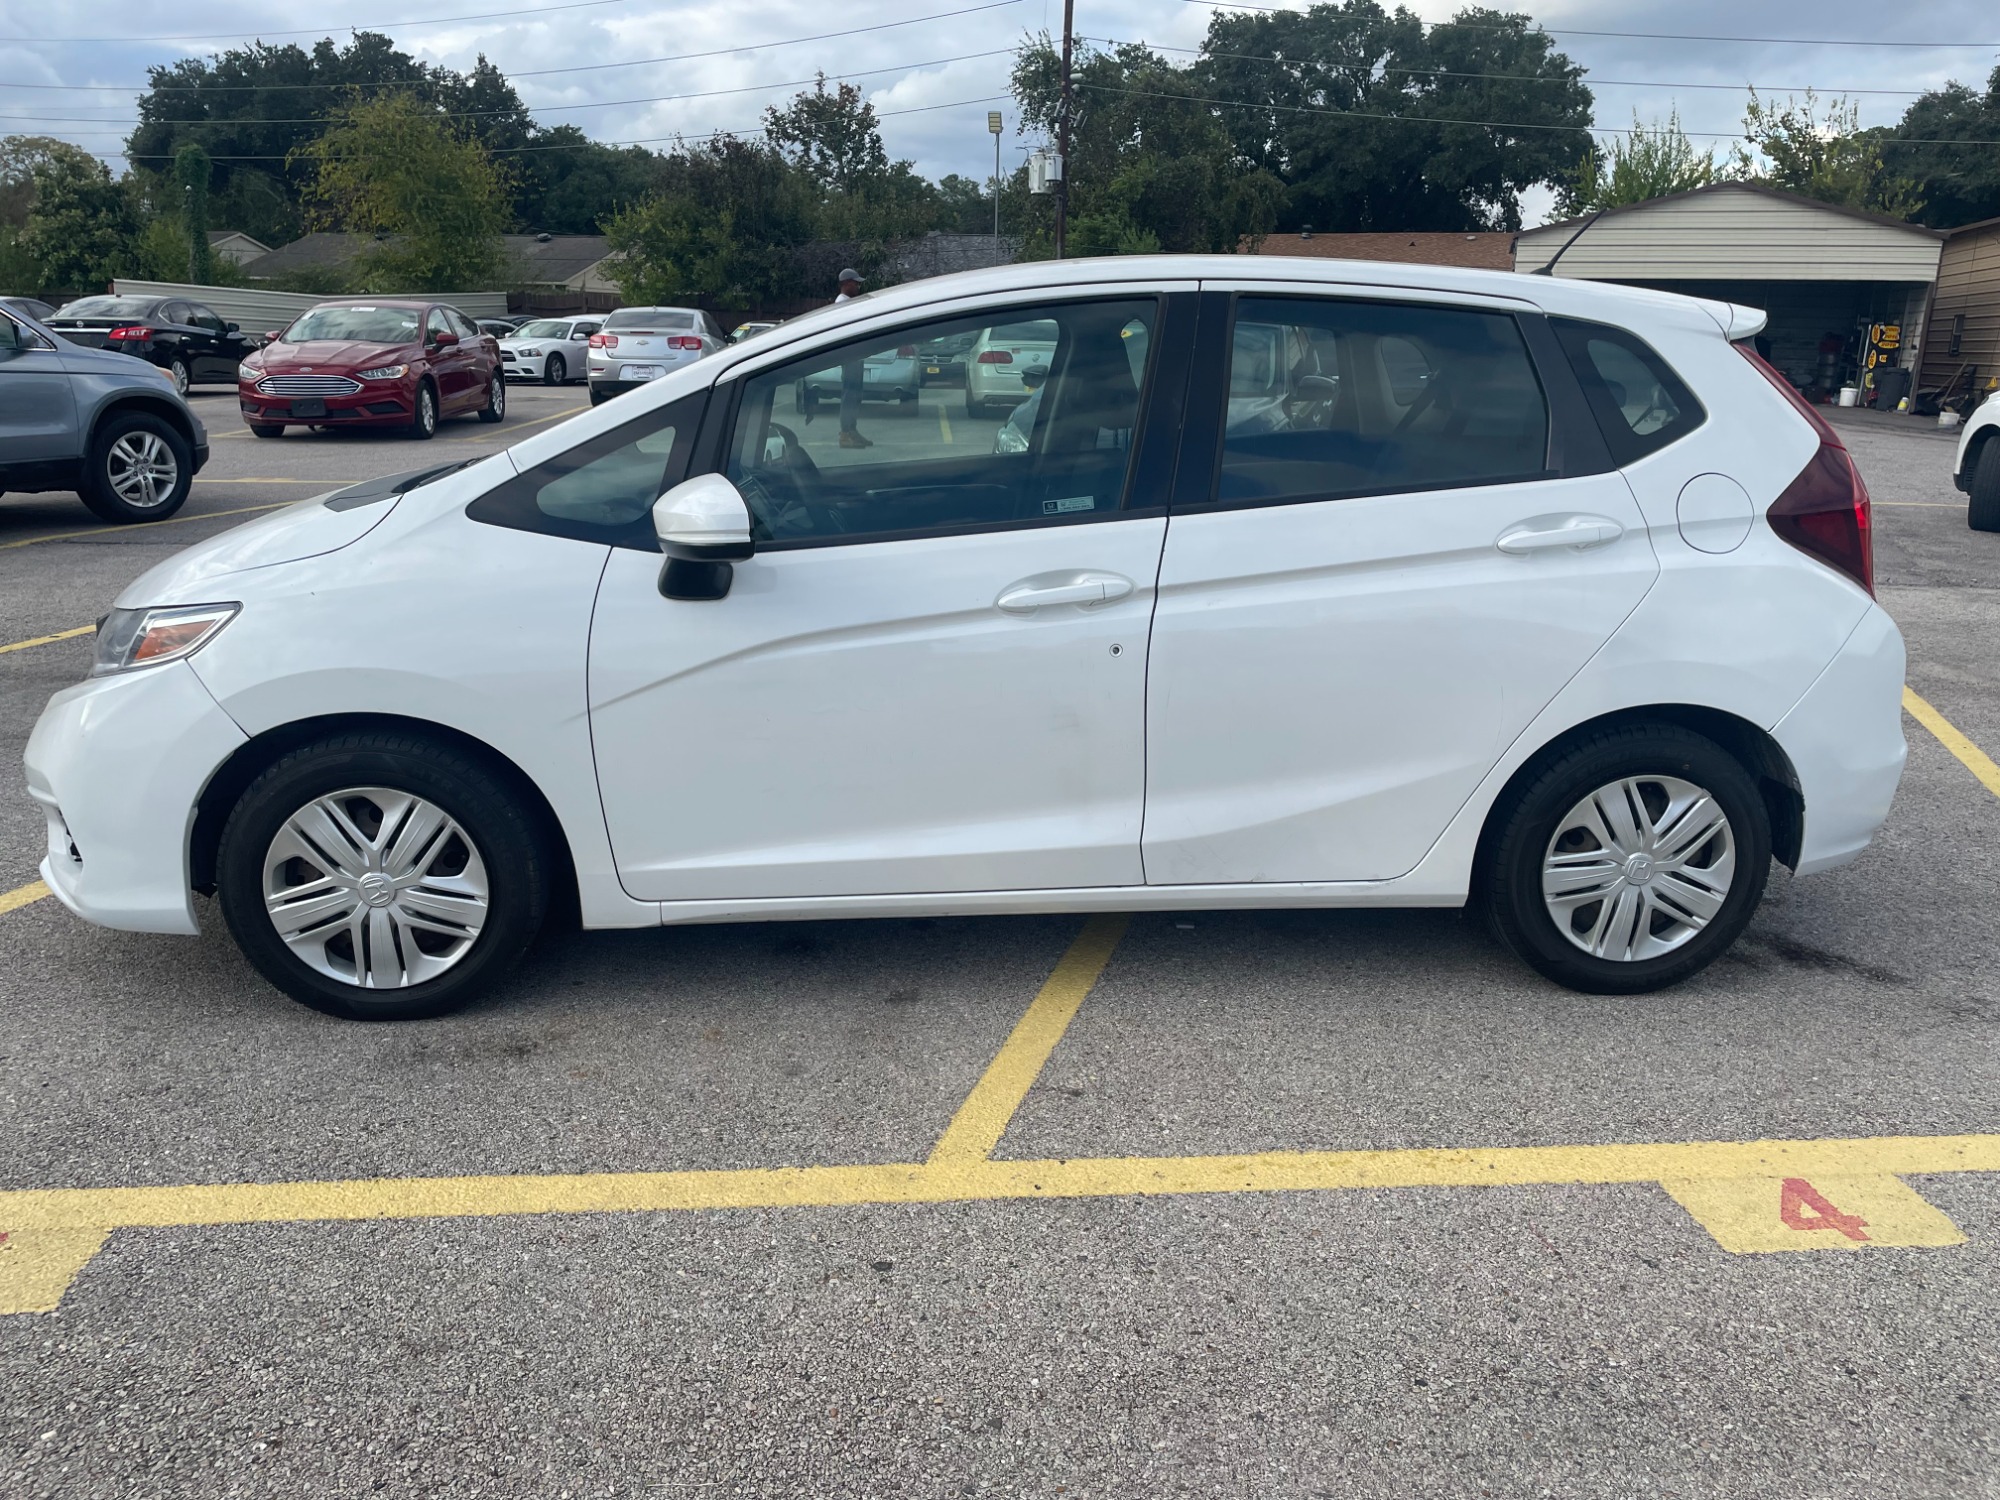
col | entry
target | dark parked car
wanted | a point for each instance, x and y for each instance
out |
(500, 328)
(942, 361)
(40, 311)
(373, 362)
(88, 420)
(183, 338)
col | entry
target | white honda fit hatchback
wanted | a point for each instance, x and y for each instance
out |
(1313, 584)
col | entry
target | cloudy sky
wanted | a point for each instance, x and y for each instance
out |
(608, 65)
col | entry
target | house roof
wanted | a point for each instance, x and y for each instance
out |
(552, 259)
(1865, 215)
(1483, 250)
(217, 236)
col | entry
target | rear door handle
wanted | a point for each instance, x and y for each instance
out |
(1545, 532)
(1044, 589)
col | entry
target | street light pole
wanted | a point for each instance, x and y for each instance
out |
(1062, 135)
(993, 124)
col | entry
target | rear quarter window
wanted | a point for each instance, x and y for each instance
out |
(1640, 404)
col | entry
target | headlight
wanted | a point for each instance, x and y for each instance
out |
(146, 637)
(386, 372)
(249, 372)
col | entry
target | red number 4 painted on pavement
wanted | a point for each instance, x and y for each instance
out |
(1801, 1206)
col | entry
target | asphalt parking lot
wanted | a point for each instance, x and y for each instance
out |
(1288, 1204)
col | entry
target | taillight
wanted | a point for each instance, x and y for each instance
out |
(604, 341)
(136, 331)
(684, 341)
(996, 357)
(1825, 511)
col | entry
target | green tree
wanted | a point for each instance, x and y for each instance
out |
(82, 228)
(1653, 161)
(1959, 182)
(723, 227)
(833, 142)
(1823, 154)
(962, 206)
(20, 155)
(397, 168)
(191, 172)
(1373, 120)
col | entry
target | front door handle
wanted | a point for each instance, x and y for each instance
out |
(1545, 532)
(1086, 589)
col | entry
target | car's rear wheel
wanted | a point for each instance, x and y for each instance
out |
(1982, 512)
(1630, 862)
(381, 876)
(495, 409)
(555, 372)
(267, 429)
(179, 371)
(424, 420)
(974, 407)
(138, 469)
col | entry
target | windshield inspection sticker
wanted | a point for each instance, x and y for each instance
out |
(1068, 503)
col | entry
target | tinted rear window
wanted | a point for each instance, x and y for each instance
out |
(109, 307)
(641, 317)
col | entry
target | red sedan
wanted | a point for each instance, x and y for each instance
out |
(373, 362)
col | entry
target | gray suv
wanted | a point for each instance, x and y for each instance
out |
(104, 424)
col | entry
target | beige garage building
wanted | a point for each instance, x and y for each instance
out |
(1824, 275)
(1962, 345)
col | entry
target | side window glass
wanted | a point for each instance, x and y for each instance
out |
(603, 489)
(1639, 402)
(174, 312)
(583, 330)
(434, 324)
(850, 445)
(1330, 398)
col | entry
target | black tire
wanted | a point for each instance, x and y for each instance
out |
(178, 369)
(1509, 882)
(107, 464)
(1982, 512)
(424, 420)
(495, 409)
(974, 408)
(267, 429)
(597, 397)
(554, 371)
(503, 833)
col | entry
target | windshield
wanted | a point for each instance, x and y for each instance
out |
(547, 328)
(367, 325)
(649, 317)
(109, 307)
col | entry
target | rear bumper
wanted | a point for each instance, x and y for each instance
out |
(119, 822)
(1845, 740)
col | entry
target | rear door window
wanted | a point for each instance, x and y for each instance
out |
(1330, 398)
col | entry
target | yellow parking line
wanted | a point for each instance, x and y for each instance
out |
(982, 1119)
(26, 895)
(944, 423)
(1919, 504)
(45, 640)
(63, 536)
(1975, 760)
(567, 411)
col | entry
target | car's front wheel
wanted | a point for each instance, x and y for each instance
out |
(138, 469)
(1982, 512)
(381, 876)
(424, 420)
(555, 372)
(1630, 862)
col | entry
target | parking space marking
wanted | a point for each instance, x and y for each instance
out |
(27, 895)
(1754, 1215)
(48, 640)
(64, 536)
(1975, 760)
(982, 1119)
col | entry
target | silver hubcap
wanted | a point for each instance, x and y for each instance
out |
(142, 469)
(376, 888)
(180, 374)
(427, 412)
(1639, 867)
(498, 399)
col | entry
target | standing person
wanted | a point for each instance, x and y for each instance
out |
(850, 374)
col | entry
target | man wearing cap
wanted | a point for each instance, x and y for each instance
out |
(850, 374)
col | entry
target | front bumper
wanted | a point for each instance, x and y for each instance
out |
(1845, 740)
(118, 764)
(373, 405)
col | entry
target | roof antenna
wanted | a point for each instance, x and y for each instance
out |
(1550, 268)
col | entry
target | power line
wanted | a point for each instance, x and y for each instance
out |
(225, 121)
(1590, 80)
(637, 62)
(1643, 36)
(233, 36)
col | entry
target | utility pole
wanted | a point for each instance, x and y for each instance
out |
(993, 124)
(1062, 136)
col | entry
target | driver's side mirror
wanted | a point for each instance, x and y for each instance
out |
(232, 327)
(703, 527)
(444, 339)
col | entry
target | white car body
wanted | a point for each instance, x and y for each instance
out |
(638, 345)
(1980, 428)
(524, 355)
(996, 363)
(1305, 705)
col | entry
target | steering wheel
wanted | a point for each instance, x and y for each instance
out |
(781, 491)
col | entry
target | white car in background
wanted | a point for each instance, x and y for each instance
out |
(1557, 603)
(1977, 471)
(1004, 363)
(638, 345)
(554, 351)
